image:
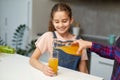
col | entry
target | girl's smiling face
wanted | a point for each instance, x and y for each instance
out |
(61, 22)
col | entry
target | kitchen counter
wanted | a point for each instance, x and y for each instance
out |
(17, 67)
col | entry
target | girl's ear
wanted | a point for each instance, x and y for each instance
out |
(72, 20)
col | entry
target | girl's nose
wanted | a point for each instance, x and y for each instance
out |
(60, 24)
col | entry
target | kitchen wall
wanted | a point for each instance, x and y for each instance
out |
(96, 17)
(40, 16)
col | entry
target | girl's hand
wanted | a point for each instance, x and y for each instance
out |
(47, 71)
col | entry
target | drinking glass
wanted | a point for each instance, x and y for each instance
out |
(53, 61)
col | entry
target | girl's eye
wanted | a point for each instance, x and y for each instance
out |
(64, 21)
(56, 22)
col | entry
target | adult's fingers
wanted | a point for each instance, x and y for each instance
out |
(79, 51)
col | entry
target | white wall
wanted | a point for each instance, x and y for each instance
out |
(12, 14)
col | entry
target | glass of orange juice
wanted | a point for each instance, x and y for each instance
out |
(53, 61)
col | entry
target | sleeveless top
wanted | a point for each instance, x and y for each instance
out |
(67, 60)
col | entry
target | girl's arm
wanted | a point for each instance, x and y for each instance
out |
(83, 63)
(83, 66)
(34, 61)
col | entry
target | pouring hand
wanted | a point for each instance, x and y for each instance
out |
(82, 44)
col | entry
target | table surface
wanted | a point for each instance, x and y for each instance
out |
(17, 67)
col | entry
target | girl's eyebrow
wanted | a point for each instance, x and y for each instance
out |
(62, 19)
(65, 19)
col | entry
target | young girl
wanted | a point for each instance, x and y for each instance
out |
(59, 27)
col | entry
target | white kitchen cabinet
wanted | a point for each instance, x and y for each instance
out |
(12, 14)
(100, 66)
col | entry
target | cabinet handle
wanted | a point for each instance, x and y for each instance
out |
(105, 63)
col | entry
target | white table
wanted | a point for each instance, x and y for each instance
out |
(17, 67)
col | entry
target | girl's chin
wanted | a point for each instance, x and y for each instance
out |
(62, 32)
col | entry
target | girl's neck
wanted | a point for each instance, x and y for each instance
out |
(65, 36)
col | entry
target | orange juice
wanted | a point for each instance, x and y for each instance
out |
(53, 63)
(71, 49)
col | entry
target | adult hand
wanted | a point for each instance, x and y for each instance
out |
(82, 45)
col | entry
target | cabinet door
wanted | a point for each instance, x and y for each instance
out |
(101, 67)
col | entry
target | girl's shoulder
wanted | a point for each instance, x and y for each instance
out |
(48, 34)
